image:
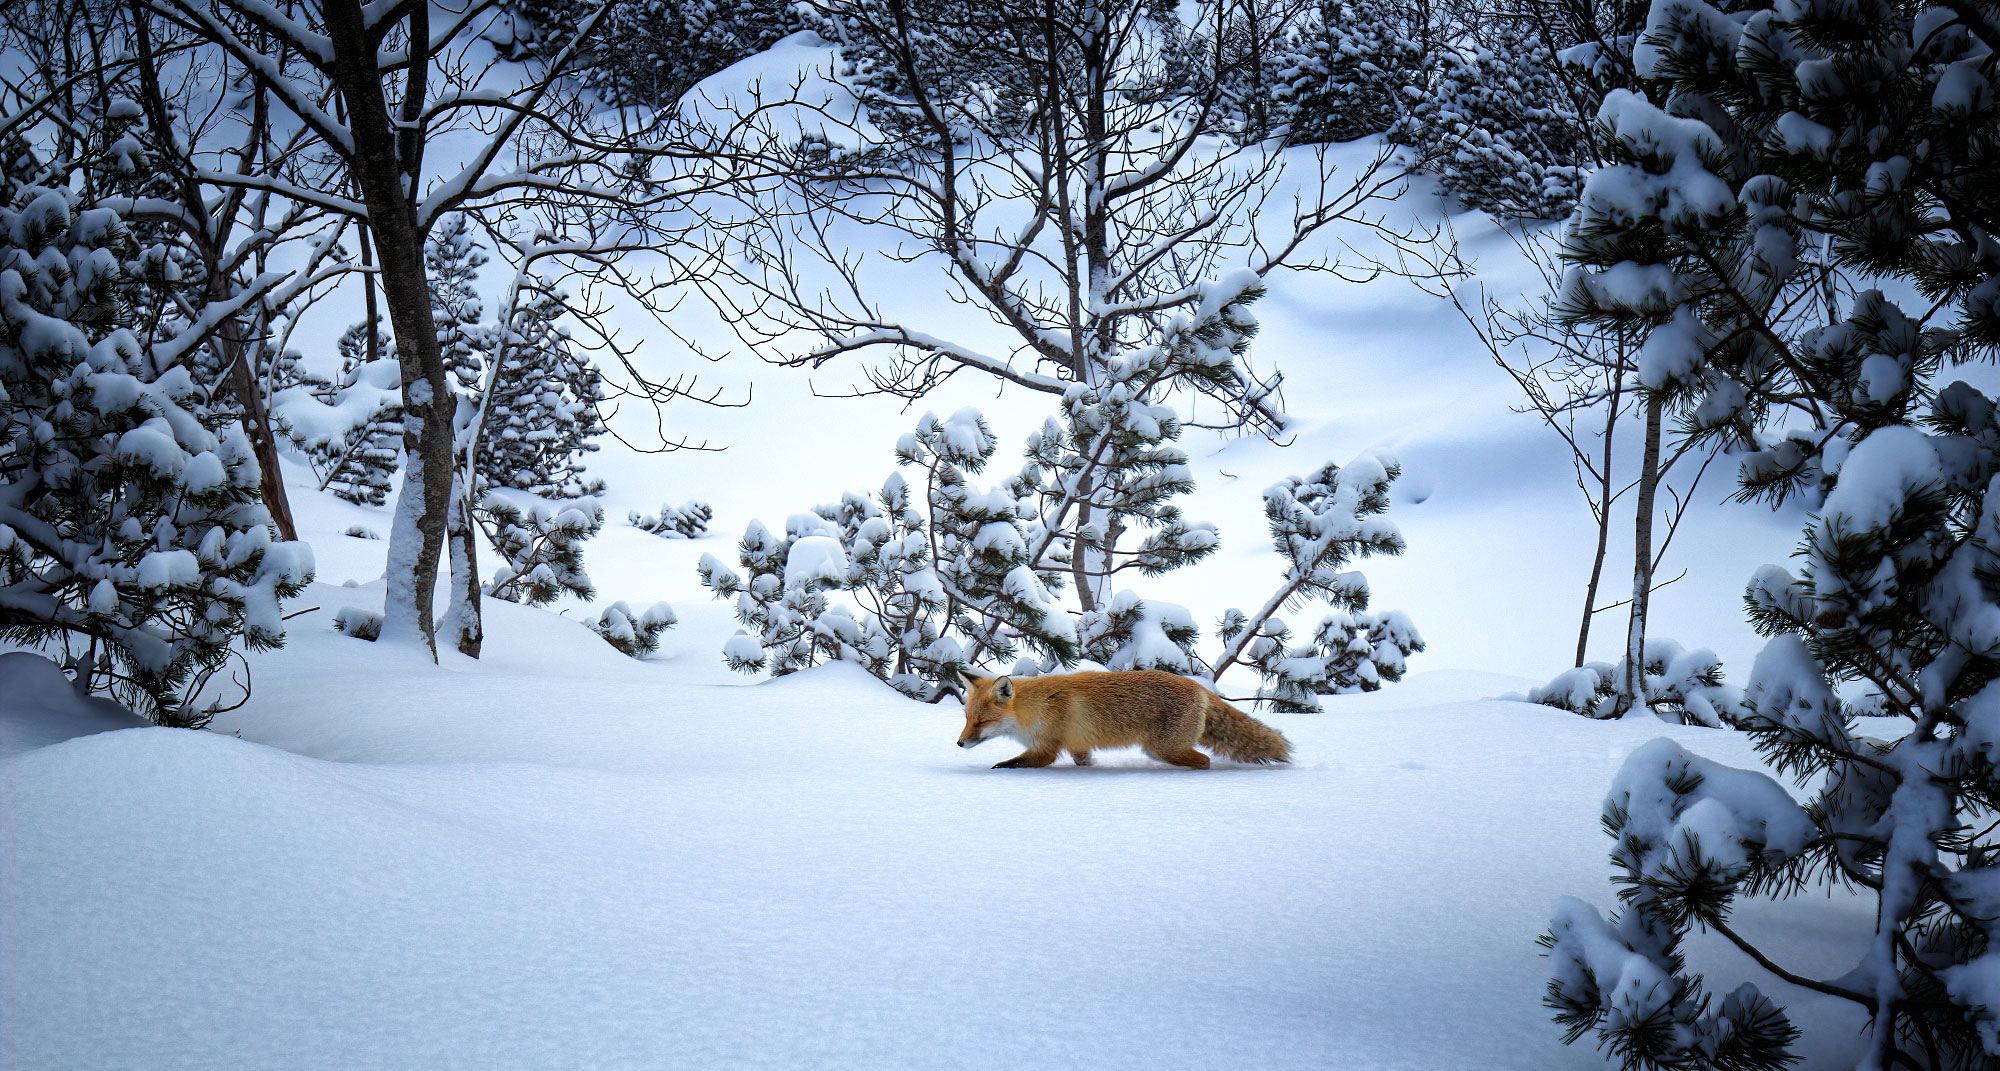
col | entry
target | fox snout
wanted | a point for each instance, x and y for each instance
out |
(970, 742)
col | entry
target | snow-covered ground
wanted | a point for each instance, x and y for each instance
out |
(559, 857)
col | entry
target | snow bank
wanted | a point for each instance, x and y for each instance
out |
(561, 857)
(39, 706)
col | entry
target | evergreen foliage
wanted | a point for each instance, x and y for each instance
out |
(544, 414)
(635, 634)
(1676, 684)
(651, 52)
(688, 520)
(540, 545)
(1802, 156)
(353, 438)
(1320, 524)
(452, 259)
(938, 587)
(1492, 118)
(130, 525)
(1342, 71)
(967, 54)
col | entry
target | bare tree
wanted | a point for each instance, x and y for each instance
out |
(375, 87)
(1075, 182)
(1581, 381)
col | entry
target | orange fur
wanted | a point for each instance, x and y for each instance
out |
(1164, 713)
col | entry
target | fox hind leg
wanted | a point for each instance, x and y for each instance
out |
(1029, 759)
(1080, 756)
(1188, 757)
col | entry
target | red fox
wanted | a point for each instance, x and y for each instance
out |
(1164, 713)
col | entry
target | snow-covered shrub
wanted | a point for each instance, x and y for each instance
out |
(540, 545)
(1803, 153)
(1320, 524)
(130, 524)
(635, 634)
(909, 618)
(1677, 684)
(362, 624)
(1342, 71)
(688, 520)
(1495, 123)
(649, 52)
(351, 431)
(355, 531)
(543, 414)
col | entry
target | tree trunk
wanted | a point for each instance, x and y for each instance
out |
(374, 340)
(256, 416)
(1603, 520)
(1631, 688)
(464, 623)
(416, 537)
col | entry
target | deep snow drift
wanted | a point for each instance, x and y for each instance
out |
(559, 857)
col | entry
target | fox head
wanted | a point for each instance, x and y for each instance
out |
(989, 708)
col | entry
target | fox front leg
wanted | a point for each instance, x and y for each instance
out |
(1031, 758)
(1080, 756)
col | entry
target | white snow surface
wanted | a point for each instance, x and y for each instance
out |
(561, 857)
(39, 707)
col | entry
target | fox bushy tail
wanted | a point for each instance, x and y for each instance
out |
(1233, 734)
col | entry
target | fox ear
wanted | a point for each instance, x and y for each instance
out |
(1003, 689)
(968, 678)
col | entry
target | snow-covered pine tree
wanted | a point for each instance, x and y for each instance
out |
(350, 430)
(1342, 69)
(634, 634)
(984, 549)
(1108, 469)
(648, 53)
(540, 545)
(780, 599)
(939, 588)
(1800, 151)
(1255, 49)
(689, 520)
(452, 259)
(1675, 683)
(965, 54)
(1499, 117)
(542, 413)
(131, 536)
(1320, 524)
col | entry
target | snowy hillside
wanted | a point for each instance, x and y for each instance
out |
(449, 829)
(558, 857)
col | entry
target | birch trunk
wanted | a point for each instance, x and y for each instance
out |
(1631, 686)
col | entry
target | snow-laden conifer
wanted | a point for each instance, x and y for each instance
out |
(452, 259)
(1342, 71)
(1320, 524)
(540, 544)
(689, 520)
(1676, 683)
(634, 633)
(350, 429)
(1802, 156)
(131, 536)
(913, 591)
(543, 411)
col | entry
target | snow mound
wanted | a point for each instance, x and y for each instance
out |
(39, 706)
